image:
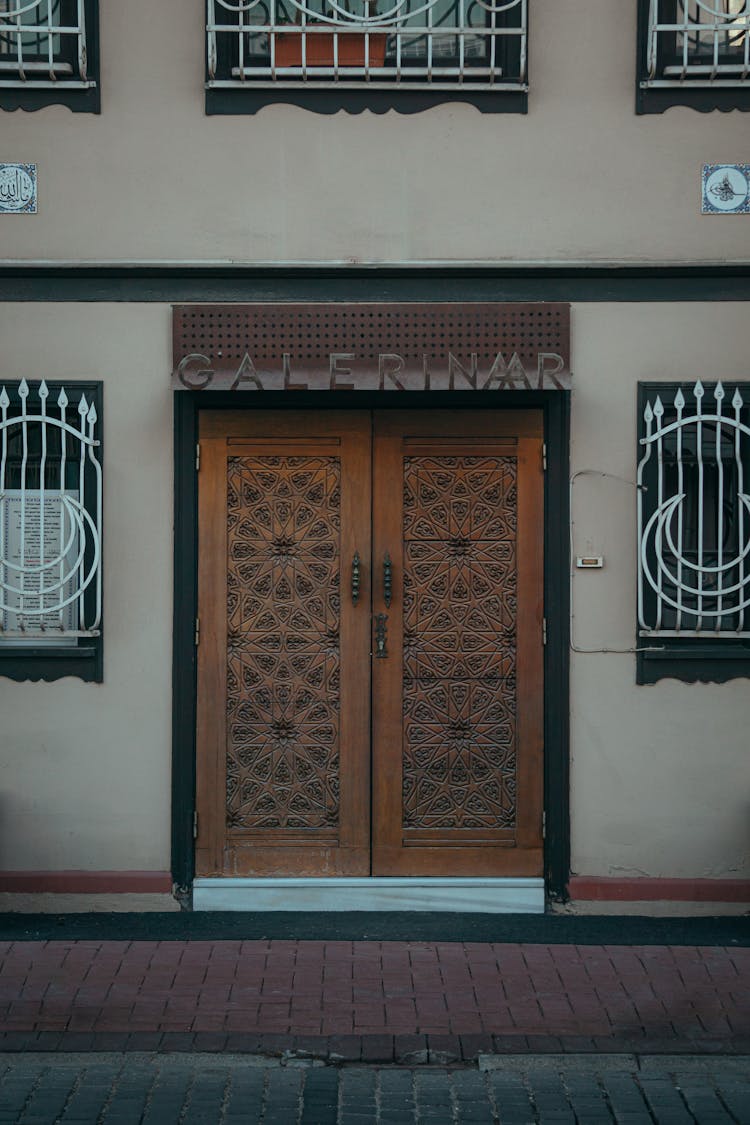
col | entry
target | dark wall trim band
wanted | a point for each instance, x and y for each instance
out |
(189, 284)
(556, 416)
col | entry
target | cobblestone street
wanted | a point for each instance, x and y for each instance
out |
(148, 1089)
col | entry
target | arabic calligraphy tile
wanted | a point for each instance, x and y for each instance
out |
(725, 189)
(18, 189)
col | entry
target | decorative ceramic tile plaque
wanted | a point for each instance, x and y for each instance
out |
(17, 189)
(726, 189)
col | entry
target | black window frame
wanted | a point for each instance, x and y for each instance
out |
(650, 99)
(85, 659)
(86, 100)
(706, 659)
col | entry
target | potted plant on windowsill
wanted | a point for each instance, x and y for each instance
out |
(356, 48)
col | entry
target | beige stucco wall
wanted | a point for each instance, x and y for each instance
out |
(660, 775)
(85, 768)
(580, 177)
(660, 778)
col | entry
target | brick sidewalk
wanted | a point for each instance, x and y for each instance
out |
(409, 1002)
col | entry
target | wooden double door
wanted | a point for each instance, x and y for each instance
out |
(370, 656)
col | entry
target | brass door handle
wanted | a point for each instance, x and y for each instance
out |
(355, 578)
(387, 580)
(381, 652)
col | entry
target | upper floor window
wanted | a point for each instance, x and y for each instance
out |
(694, 531)
(694, 52)
(48, 54)
(356, 54)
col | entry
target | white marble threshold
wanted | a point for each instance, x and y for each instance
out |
(482, 896)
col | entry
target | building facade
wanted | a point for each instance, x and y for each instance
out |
(375, 446)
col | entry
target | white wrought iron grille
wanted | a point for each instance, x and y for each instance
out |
(698, 43)
(43, 43)
(420, 44)
(50, 516)
(694, 514)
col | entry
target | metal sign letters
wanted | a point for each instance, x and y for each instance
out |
(383, 347)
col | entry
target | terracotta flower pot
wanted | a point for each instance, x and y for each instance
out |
(320, 49)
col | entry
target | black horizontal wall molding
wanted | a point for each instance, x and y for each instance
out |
(186, 284)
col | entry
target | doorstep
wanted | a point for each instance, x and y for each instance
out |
(482, 896)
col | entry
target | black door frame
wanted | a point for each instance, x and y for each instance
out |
(556, 409)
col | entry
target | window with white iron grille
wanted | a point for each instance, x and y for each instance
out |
(694, 52)
(366, 53)
(694, 529)
(49, 54)
(50, 530)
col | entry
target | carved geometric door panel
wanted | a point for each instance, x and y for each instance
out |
(438, 622)
(457, 703)
(283, 668)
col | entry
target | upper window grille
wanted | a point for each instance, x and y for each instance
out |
(694, 514)
(698, 43)
(50, 517)
(43, 44)
(388, 44)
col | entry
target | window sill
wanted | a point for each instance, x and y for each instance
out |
(694, 663)
(86, 100)
(249, 100)
(84, 662)
(704, 99)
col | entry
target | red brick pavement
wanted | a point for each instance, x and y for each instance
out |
(409, 1001)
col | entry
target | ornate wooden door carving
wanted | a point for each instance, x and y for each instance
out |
(457, 705)
(283, 671)
(441, 623)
